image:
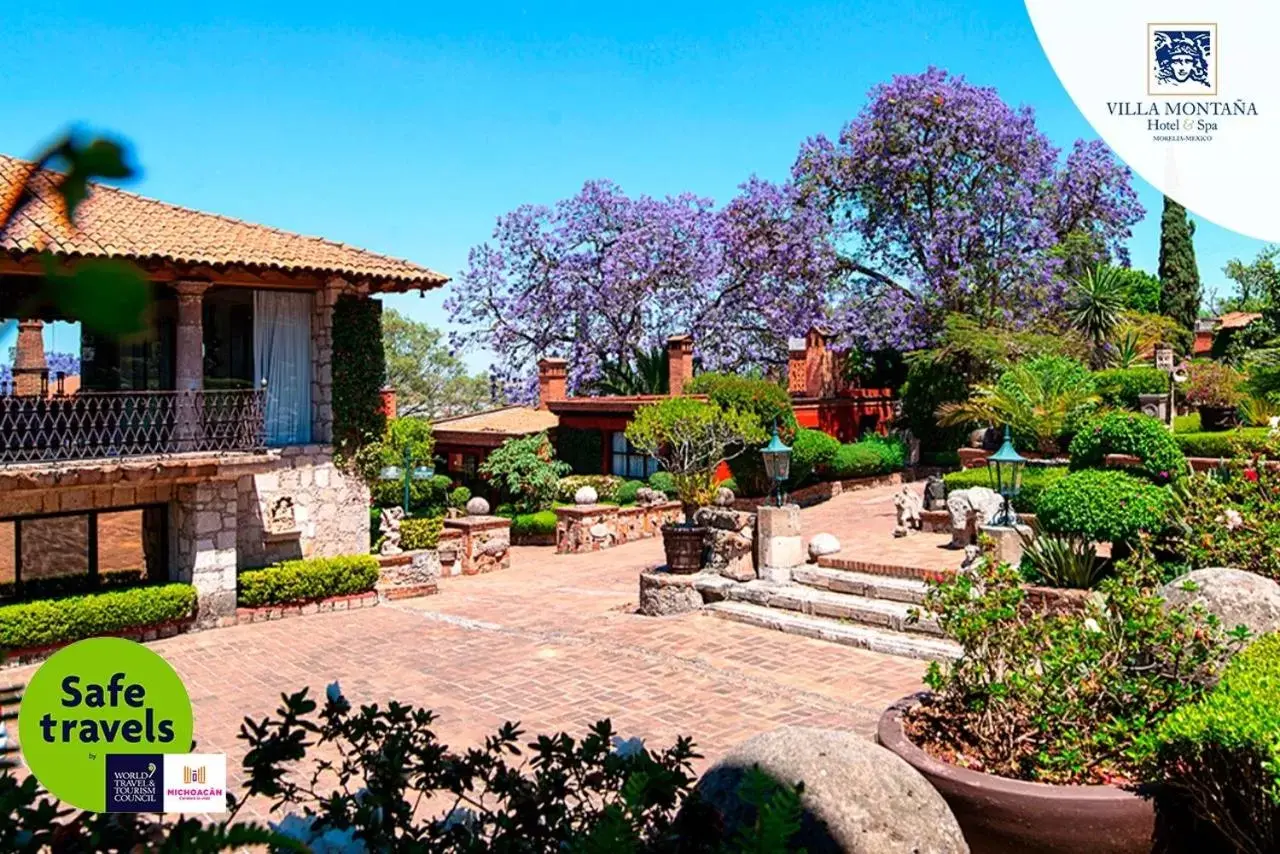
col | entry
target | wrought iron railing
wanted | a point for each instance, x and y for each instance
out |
(99, 425)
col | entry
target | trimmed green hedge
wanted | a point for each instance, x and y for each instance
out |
(1120, 387)
(307, 579)
(1035, 480)
(1223, 444)
(1104, 506)
(870, 455)
(664, 482)
(1222, 753)
(626, 493)
(420, 533)
(812, 453)
(52, 621)
(1129, 433)
(534, 524)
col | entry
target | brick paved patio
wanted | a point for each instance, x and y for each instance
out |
(554, 643)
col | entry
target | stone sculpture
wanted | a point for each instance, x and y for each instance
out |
(389, 527)
(822, 544)
(724, 497)
(586, 495)
(935, 493)
(909, 504)
(970, 510)
(280, 517)
(477, 507)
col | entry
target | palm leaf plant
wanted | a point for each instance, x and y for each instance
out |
(1095, 304)
(645, 374)
(1125, 350)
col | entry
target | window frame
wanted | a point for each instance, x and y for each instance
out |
(648, 465)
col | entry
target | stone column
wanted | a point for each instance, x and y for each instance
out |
(29, 366)
(781, 548)
(189, 363)
(322, 360)
(204, 547)
(485, 544)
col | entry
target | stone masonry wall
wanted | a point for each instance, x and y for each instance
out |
(330, 509)
(203, 547)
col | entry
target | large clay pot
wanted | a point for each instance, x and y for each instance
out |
(683, 544)
(1217, 418)
(1003, 816)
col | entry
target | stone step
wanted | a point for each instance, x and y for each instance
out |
(862, 637)
(920, 573)
(909, 590)
(880, 613)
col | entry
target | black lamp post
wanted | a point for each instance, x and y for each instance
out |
(1005, 470)
(777, 462)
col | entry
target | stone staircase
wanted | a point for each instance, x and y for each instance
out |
(843, 601)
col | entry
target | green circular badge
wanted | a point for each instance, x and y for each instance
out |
(99, 698)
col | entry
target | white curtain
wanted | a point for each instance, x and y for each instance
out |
(282, 356)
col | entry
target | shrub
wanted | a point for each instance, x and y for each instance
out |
(359, 372)
(534, 524)
(1230, 518)
(1104, 506)
(812, 453)
(459, 497)
(870, 455)
(526, 471)
(1225, 444)
(1219, 759)
(581, 450)
(1060, 697)
(1035, 480)
(767, 401)
(420, 533)
(1189, 423)
(1212, 384)
(1062, 562)
(933, 382)
(605, 485)
(1120, 387)
(52, 621)
(626, 493)
(307, 579)
(1134, 434)
(427, 497)
(663, 482)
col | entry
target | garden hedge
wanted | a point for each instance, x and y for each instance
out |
(307, 579)
(605, 485)
(1120, 387)
(1104, 506)
(1247, 440)
(626, 493)
(420, 533)
(1221, 755)
(359, 372)
(663, 482)
(812, 454)
(1129, 433)
(51, 621)
(1035, 480)
(871, 455)
(534, 524)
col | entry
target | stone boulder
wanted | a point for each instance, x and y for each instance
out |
(586, 495)
(971, 509)
(822, 544)
(730, 543)
(859, 798)
(647, 496)
(1236, 597)
(477, 507)
(724, 497)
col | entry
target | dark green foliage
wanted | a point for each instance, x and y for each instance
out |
(646, 373)
(526, 471)
(767, 401)
(1225, 444)
(812, 453)
(420, 533)
(1120, 387)
(1142, 290)
(459, 497)
(1104, 506)
(1062, 562)
(877, 369)
(52, 621)
(932, 382)
(869, 456)
(1035, 480)
(1096, 301)
(428, 497)
(359, 373)
(1218, 759)
(663, 482)
(533, 524)
(1180, 291)
(582, 450)
(1134, 434)
(307, 579)
(626, 493)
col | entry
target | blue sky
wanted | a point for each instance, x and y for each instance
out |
(409, 131)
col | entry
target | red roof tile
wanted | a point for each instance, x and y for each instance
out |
(116, 223)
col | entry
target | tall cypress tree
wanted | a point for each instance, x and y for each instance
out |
(1179, 277)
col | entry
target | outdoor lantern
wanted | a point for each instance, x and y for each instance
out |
(777, 461)
(406, 473)
(1005, 469)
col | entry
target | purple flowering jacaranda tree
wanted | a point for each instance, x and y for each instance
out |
(946, 199)
(602, 276)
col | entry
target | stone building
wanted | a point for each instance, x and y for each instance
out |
(200, 445)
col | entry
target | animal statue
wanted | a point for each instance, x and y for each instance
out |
(909, 504)
(389, 527)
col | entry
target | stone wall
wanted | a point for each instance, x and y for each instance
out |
(203, 547)
(484, 545)
(592, 527)
(730, 548)
(305, 506)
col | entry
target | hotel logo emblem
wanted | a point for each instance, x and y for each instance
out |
(1182, 59)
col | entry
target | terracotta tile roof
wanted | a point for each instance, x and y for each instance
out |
(1237, 319)
(116, 223)
(508, 421)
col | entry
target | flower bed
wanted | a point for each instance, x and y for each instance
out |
(296, 581)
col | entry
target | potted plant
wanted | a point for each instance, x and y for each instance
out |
(1214, 389)
(1033, 734)
(690, 438)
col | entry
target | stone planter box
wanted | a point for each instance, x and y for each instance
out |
(1003, 816)
(298, 609)
(1056, 600)
(409, 574)
(482, 544)
(594, 527)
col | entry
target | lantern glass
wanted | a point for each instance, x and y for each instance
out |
(1005, 468)
(391, 473)
(777, 458)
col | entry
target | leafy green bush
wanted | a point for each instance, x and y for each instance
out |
(663, 482)
(1035, 480)
(1120, 387)
(307, 579)
(420, 533)
(51, 621)
(932, 382)
(581, 450)
(767, 401)
(869, 456)
(459, 497)
(1218, 759)
(527, 472)
(427, 497)
(626, 493)
(1104, 506)
(1225, 444)
(812, 453)
(1229, 518)
(534, 524)
(605, 485)
(1189, 423)
(359, 372)
(1134, 434)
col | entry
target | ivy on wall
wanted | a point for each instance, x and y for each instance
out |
(359, 372)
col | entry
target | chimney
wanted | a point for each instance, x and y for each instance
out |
(797, 361)
(679, 363)
(30, 370)
(553, 380)
(388, 407)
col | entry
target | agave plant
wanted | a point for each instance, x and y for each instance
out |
(645, 374)
(1064, 561)
(1258, 411)
(1096, 302)
(1125, 351)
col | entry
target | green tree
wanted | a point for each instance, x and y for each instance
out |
(1142, 289)
(527, 472)
(1180, 291)
(1095, 304)
(1257, 282)
(430, 381)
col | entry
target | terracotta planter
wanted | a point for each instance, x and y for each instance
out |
(1003, 816)
(1217, 418)
(683, 544)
